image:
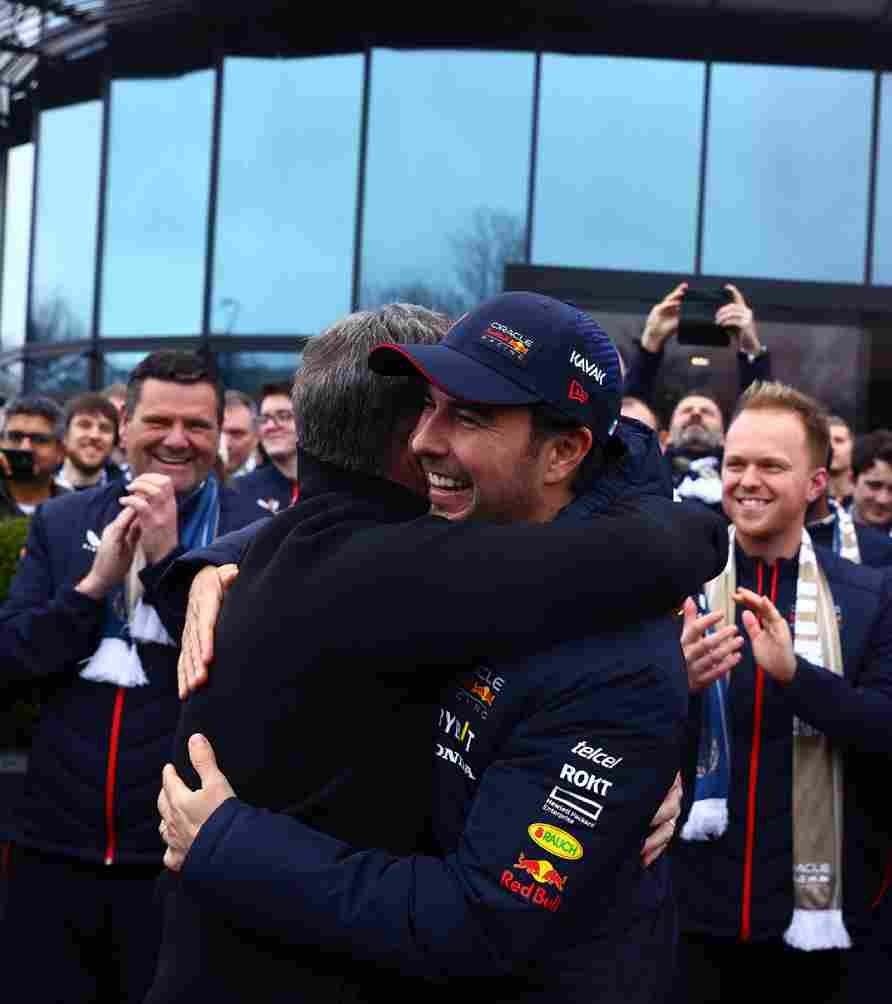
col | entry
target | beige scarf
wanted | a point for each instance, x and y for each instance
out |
(817, 768)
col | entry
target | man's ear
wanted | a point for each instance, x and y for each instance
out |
(817, 484)
(566, 451)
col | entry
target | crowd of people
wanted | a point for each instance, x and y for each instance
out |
(449, 667)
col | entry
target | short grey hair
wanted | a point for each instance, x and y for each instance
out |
(345, 414)
(239, 399)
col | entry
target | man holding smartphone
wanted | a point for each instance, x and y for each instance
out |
(30, 452)
(696, 433)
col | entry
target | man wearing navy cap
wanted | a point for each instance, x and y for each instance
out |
(546, 770)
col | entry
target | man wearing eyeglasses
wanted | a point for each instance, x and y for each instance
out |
(33, 424)
(274, 484)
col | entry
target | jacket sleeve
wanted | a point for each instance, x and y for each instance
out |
(641, 379)
(168, 582)
(750, 369)
(45, 627)
(499, 898)
(856, 709)
(569, 580)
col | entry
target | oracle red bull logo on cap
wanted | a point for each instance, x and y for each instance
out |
(558, 842)
(511, 343)
(544, 875)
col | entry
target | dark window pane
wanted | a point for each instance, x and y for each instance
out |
(618, 163)
(59, 377)
(287, 203)
(16, 237)
(882, 247)
(160, 134)
(67, 194)
(249, 371)
(448, 162)
(786, 193)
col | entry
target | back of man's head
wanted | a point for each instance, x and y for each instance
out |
(186, 368)
(776, 396)
(346, 414)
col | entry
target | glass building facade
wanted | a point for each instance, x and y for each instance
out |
(249, 204)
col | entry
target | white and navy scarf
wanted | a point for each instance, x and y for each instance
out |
(128, 620)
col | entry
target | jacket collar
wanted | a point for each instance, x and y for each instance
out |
(317, 477)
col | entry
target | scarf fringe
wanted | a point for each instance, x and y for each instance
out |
(813, 930)
(145, 625)
(115, 662)
(707, 820)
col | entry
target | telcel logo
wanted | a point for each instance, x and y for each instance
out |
(557, 842)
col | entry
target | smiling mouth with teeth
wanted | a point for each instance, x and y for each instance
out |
(444, 483)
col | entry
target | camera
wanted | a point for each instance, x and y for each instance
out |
(696, 319)
(21, 464)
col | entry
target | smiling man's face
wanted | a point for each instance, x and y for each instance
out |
(479, 461)
(174, 430)
(769, 477)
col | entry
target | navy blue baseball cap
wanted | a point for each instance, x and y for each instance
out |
(521, 349)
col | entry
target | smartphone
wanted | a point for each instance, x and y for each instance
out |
(696, 320)
(21, 464)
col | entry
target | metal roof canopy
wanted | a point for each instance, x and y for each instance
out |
(64, 48)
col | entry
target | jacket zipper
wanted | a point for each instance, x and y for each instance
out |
(884, 885)
(111, 837)
(755, 750)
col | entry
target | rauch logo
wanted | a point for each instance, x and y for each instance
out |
(556, 841)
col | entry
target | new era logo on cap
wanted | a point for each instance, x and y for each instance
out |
(576, 392)
(520, 349)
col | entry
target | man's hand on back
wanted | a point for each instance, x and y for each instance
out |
(197, 648)
(663, 824)
(183, 811)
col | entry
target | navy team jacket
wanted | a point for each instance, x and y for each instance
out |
(97, 751)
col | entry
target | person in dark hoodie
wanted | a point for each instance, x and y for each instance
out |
(80, 923)
(432, 603)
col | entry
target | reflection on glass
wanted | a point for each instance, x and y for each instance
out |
(787, 180)
(618, 163)
(16, 231)
(882, 240)
(446, 189)
(11, 378)
(287, 201)
(249, 371)
(153, 273)
(117, 366)
(58, 377)
(65, 250)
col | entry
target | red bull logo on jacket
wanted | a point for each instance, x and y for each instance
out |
(544, 876)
